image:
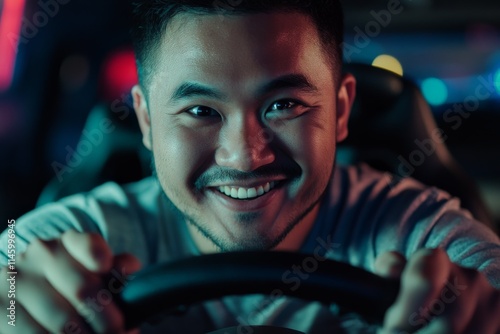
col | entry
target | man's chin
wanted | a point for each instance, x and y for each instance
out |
(246, 239)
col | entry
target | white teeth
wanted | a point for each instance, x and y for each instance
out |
(246, 193)
(242, 193)
(251, 193)
(260, 191)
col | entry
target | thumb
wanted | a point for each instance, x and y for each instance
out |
(89, 249)
(390, 264)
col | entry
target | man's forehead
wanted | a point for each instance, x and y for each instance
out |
(284, 18)
(216, 47)
(209, 31)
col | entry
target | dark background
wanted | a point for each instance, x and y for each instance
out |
(82, 57)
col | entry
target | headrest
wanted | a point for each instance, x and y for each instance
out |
(377, 85)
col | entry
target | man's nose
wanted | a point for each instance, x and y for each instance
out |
(244, 145)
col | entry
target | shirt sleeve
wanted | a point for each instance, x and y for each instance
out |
(374, 212)
(108, 210)
(434, 220)
(46, 223)
(467, 242)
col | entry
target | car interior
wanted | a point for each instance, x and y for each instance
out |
(429, 113)
(427, 106)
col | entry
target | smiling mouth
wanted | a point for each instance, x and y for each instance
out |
(242, 193)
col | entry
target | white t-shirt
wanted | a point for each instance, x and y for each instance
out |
(363, 214)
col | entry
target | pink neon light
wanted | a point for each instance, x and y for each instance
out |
(10, 30)
(120, 73)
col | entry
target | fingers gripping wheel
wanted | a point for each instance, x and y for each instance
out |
(167, 287)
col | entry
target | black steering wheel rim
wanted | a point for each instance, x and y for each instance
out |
(169, 286)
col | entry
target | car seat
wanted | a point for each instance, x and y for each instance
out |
(392, 128)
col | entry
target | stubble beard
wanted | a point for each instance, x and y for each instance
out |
(254, 243)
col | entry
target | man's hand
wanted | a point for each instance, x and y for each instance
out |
(68, 286)
(438, 296)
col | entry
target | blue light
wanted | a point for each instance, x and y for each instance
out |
(435, 91)
(496, 81)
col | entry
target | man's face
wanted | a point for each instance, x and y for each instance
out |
(241, 118)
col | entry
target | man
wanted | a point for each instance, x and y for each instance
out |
(242, 107)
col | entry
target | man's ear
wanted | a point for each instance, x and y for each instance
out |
(345, 100)
(142, 112)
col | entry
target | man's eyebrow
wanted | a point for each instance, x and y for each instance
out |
(191, 89)
(289, 81)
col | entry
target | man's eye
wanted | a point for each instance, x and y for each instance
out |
(283, 105)
(202, 111)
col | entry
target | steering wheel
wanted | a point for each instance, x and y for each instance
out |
(172, 286)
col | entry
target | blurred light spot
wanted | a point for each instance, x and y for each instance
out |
(10, 31)
(497, 81)
(388, 63)
(74, 72)
(435, 91)
(120, 73)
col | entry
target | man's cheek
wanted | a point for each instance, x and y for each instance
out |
(179, 159)
(312, 157)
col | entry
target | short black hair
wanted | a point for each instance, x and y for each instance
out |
(151, 18)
